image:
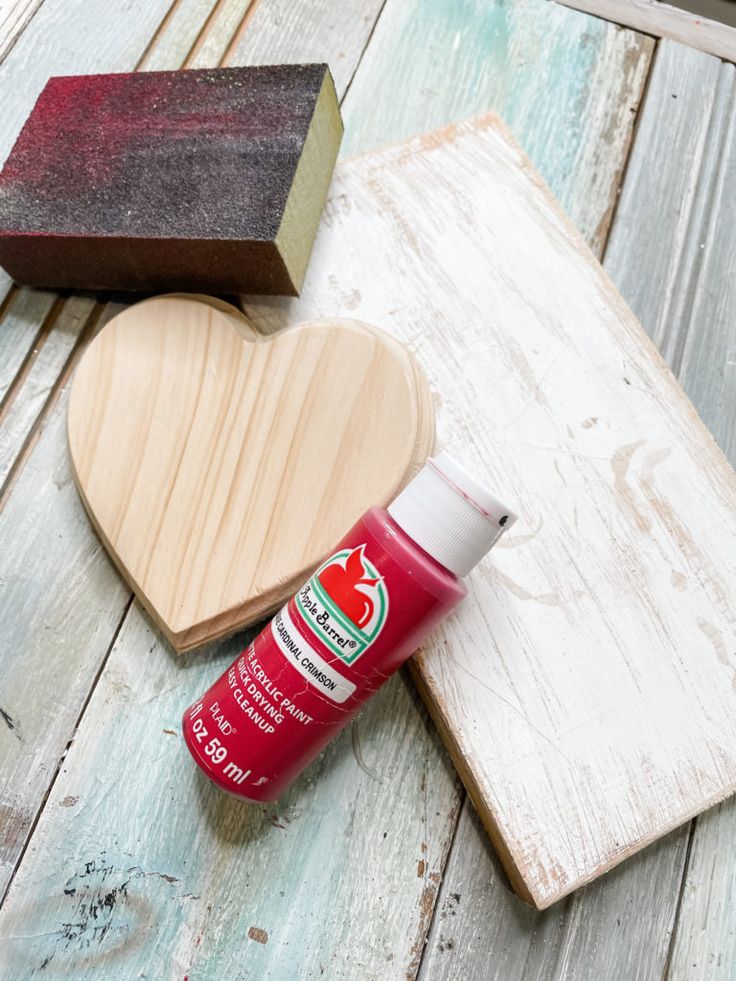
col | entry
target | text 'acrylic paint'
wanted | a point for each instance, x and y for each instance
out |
(365, 610)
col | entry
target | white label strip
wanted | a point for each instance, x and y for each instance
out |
(307, 661)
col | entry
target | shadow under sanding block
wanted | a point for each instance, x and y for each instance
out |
(209, 180)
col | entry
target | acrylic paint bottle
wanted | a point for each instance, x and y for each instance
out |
(365, 610)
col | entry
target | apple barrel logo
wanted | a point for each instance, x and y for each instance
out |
(345, 603)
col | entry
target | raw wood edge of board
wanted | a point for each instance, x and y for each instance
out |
(663, 20)
(526, 891)
(434, 705)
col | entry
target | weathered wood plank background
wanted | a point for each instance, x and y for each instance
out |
(680, 22)
(676, 264)
(66, 608)
(567, 86)
(15, 15)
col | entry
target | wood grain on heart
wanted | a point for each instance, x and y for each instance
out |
(219, 467)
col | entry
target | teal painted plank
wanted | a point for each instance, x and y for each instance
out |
(616, 929)
(681, 269)
(61, 600)
(140, 866)
(567, 85)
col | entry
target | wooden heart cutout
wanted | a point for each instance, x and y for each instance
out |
(219, 466)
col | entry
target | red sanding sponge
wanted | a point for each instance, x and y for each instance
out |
(208, 180)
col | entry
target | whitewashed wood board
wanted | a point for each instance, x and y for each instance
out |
(521, 61)
(586, 688)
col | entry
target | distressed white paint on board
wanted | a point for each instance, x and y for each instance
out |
(586, 688)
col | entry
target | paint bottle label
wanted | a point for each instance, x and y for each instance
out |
(310, 670)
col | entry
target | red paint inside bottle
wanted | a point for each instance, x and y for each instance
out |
(365, 610)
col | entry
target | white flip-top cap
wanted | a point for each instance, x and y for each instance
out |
(450, 515)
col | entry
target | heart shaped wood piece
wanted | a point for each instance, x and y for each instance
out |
(219, 466)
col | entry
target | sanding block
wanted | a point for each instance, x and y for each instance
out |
(210, 180)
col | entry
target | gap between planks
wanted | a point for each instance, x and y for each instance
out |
(600, 252)
(62, 757)
(18, 15)
(158, 34)
(362, 53)
(47, 325)
(237, 37)
(663, 20)
(680, 896)
(414, 970)
(36, 429)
